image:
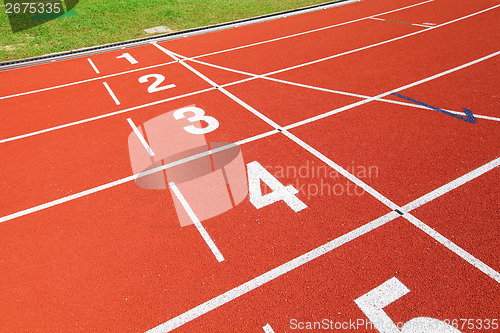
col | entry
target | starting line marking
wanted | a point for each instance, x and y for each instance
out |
(111, 93)
(271, 275)
(208, 54)
(197, 222)
(93, 66)
(141, 137)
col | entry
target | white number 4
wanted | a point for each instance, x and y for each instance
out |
(256, 173)
(373, 303)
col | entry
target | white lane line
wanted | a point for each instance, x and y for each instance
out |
(83, 121)
(390, 21)
(454, 248)
(268, 329)
(361, 96)
(145, 105)
(380, 43)
(111, 93)
(451, 185)
(215, 85)
(85, 81)
(93, 66)
(353, 105)
(271, 275)
(342, 171)
(130, 178)
(305, 32)
(196, 222)
(141, 137)
(207, 54)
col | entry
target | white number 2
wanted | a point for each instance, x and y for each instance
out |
(155, 86)
(256, 173)
(373, 303)
(199, 115)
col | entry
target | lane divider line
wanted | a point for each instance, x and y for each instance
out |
(208, 54)
(454, 248)
(111, 93)
(256, 76)
(137, 107)
(377, 195)
(196, 222)
(93, 66)
(414, 24)
(271, 275)
(130, 178)
(141, 137)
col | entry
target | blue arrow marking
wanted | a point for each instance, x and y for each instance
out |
(470, 117)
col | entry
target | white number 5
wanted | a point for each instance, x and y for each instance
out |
(373, 303)
(199, 115)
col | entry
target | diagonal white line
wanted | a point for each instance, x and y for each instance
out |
(111, 93)
(253, 75)
(93, 66)
(207, 54)
(141, 137)
(451, 185)
(454, 248)
(196, 222)
(270, 275)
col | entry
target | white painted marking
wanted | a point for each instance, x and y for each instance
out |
(373, 303)
(197, 222)
(141, 137)
(85, 81)
(207, 54)
(454, 248)
(271, 275)
(129, 178)
(256, 174)
(83, 121)
(111, 93)
(93, 66)
(215, 85)
(380, 43)
(128, 57)
(114, 113)
(417, 106)
(268, 329)
(306, 32)
(353, 105)
(342, 171)
(451, 185)
(389, 21)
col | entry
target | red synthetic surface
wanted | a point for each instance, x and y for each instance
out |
(116, 259)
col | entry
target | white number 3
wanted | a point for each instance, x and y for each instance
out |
(199, 115)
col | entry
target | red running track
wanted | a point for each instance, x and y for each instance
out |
(399, 201)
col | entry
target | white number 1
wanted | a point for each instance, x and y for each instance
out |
(373, 303)
(129, 58)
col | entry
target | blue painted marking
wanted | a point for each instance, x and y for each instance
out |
(470, 117)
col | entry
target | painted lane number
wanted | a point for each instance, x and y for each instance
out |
(155, 86)
(198, 115)
(373, 303)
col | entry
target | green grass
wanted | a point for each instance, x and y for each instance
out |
(106, 21)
